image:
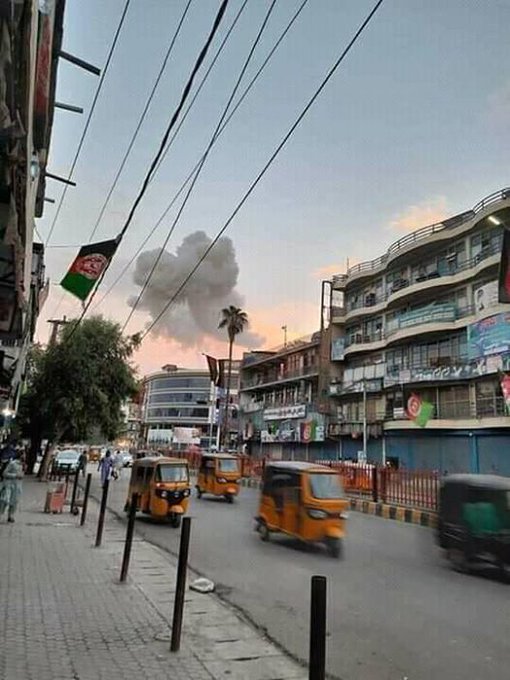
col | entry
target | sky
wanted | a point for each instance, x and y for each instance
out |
(412, 128)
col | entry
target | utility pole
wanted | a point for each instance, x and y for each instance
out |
(56, 323)
(284, 329)
(364, 421)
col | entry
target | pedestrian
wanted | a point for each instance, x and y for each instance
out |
(118, 463)
(10, 488)
(105, 466)
(82, 463)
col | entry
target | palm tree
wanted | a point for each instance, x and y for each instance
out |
(235, 321)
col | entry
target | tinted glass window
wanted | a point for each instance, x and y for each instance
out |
(228, 465)
(180, 382)
(325, 485)
(172, 473)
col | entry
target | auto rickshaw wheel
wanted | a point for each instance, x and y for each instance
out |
(335, 547)
(175, 520)
(264, 532)
(458, 559)
(199, 492)
(229, 498)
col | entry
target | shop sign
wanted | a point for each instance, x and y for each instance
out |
(285, 412)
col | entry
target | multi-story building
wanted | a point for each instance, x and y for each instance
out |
(181, 407)
(30, 39)
(279, 407)
(424, 319)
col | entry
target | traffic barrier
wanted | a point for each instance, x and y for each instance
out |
(102, 511)
(317, 659)
(180, 588)
(85, 499)
(129, 537)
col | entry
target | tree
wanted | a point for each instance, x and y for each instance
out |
(79, 383)
(235, 321)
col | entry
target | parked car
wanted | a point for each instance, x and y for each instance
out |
(66, 460)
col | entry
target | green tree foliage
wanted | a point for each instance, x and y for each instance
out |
(79, 383)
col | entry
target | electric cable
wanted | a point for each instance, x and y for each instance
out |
(190, 175)
(203, 160)
(187, 88)
(276, 152)
(141, 119)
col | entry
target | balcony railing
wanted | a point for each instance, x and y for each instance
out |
(279, 376)
(425, 232)
(374, 299)
(482, 407)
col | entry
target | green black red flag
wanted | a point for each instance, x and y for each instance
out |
(88, 266)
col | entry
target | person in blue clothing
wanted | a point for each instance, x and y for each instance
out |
(105, 467)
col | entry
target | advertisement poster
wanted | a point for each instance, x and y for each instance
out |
(489, 336)
(485, 296)
(337, 349)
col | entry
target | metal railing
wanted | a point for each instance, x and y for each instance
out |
(425, 232)
(368, 301)
(278, 376)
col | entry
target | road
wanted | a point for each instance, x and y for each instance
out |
(395, 608)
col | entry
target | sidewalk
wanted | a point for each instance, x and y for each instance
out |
(66, 617)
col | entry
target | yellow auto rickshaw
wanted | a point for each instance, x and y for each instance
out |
(219, 475)
(305, 501)
(163, 486)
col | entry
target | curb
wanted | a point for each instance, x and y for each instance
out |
(397, 512)
(409, 515)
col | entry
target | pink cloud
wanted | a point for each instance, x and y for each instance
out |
(421, 214)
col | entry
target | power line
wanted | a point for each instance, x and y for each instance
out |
(145, 184)
(190, 175)
(89, 118)
(140, 121)
(199, 88)
(273, 156)
(203, 160)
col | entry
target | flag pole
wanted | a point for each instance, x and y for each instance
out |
(212, 397)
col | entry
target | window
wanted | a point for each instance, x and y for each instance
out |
(178, 397)
(324, 485)
(172, 473)
(228, 465)
(453, 402)
(180, 382)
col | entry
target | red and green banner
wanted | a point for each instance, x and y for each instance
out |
(88, 266)
(418, 410)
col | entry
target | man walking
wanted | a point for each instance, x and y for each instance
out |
(105, 466)
(10, 488)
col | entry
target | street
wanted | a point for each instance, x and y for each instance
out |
(396, 609)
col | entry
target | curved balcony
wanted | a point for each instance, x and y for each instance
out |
(430, 319)
(427, 282)
(409, 241)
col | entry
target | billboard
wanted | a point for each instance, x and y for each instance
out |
(489, 336)
(485, 296)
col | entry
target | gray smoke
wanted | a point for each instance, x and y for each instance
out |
(195, 314)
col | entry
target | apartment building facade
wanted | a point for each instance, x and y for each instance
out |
(424, 319)
(279, 405)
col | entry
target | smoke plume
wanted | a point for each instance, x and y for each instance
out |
(195, 314)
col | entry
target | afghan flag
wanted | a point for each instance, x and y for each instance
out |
(504, 269)
(88, 266)
(418, 410)
(212, 364)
